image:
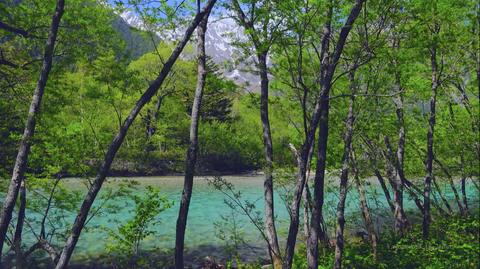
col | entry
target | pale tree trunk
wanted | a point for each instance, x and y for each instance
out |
(274, 248)
(33, 113)
(430, 156)
(192, 151)
(343, 186)
(262, 52)
(118, 139)
(363, 203)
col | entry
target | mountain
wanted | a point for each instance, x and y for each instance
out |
(218, 44)
(137, 45)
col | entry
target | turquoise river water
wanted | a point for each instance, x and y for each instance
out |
(207, 207)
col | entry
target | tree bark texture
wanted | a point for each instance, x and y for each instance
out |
(118, 139)
(33, 113)
(192, 151)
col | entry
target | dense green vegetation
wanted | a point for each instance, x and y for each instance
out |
(387, 90)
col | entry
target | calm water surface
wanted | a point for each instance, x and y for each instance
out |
(207, 207)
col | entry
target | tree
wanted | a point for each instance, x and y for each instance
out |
(217, 98)
(22, 156)
(192, 151)
(117, 141)
(263, 28)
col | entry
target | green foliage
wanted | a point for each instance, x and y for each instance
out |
(229, 231)
(128, 236)
(454, 244)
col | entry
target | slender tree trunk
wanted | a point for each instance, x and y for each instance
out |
(193, 147)
(306, 194)
(396, 178)
(343, 186)
(19, 228)
(430, 156)
(118, 139)
(464, 193)
(471, 111)
(363, 203)
(385, 190)
(379, 176)
(328, 67)
(262, 52)
(452, 185)
(464, 196)
(319, 181)
(33, 113)
(294, 209)
(274, 250)
(151, 120)
(444, 200)
(401, 222)
(415, 198)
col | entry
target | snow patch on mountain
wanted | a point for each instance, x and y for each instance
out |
(218, 43)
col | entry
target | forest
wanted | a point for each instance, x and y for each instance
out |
(364, 129)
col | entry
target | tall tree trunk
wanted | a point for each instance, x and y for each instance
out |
(193, 147)
(262, 52)
(343, 185)
(33, 113)
(274, 249)
(319, 181)
(430, 156)
(363, 203)
(19, 229)
(320, 117)
(118, 139)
